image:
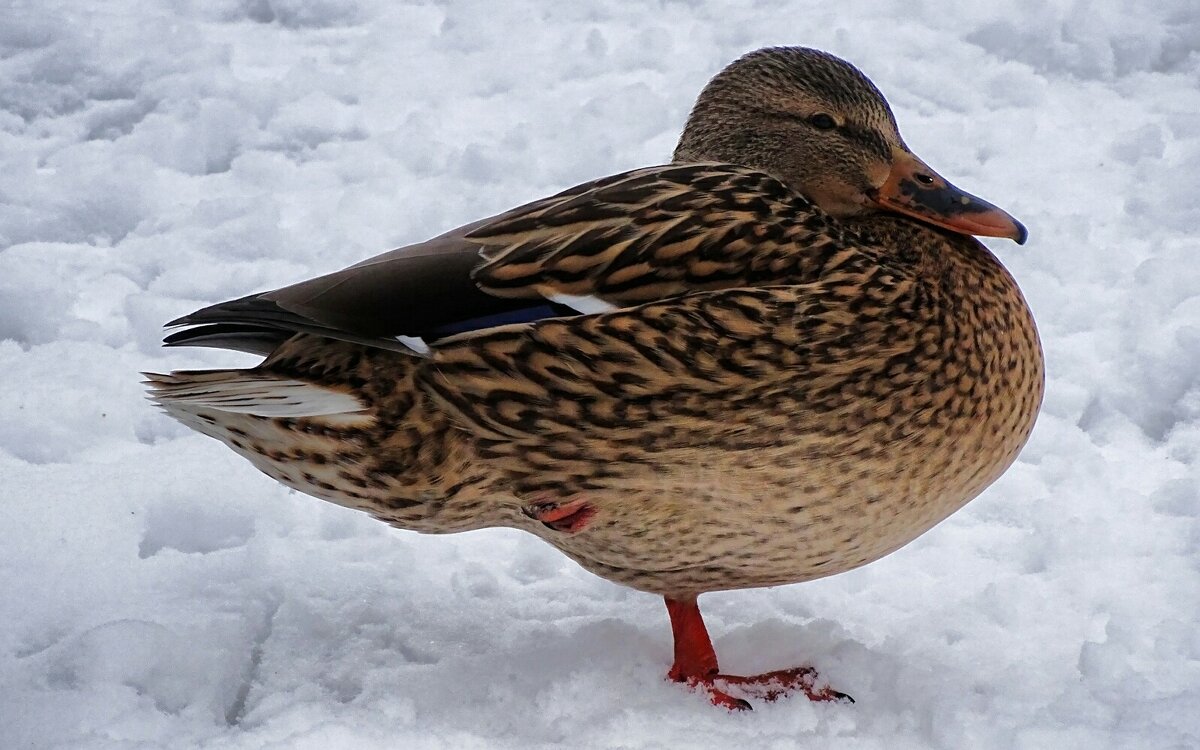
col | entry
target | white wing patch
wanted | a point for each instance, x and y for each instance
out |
(416, 343)
(260, 395)
(583, 303)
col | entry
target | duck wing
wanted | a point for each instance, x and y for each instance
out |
(639, 236)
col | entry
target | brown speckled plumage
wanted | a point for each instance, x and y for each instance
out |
(788, 382)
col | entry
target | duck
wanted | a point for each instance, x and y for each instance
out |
(781, 356)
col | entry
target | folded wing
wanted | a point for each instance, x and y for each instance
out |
(639, 236)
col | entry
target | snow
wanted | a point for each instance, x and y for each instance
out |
(158, 592)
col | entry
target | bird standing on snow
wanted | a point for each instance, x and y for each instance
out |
(780, 357)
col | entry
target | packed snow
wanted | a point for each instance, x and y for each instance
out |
(157, 592)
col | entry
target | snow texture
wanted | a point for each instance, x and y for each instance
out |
(156, 591)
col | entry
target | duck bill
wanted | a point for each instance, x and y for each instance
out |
(913, 189)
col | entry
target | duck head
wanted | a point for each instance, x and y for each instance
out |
(816, 122)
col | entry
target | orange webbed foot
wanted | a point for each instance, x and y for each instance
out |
(716, 696)
(769, 687)
(696, 666)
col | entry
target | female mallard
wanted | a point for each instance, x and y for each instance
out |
(780, 357)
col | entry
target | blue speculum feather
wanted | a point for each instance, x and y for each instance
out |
(519, 315)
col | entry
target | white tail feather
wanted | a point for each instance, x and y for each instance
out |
(256, 394)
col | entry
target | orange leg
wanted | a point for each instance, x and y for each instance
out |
(569, 517)
(696, 665)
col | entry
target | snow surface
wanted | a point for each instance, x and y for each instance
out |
(156, 591)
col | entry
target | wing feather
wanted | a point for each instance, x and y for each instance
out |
(649, 234)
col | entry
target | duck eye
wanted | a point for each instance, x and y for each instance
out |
(822, 121)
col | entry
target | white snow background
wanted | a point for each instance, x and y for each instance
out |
(156, 591)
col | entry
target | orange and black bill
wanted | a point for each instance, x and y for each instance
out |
(914, 189)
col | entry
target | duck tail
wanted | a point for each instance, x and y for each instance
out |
(210, 401)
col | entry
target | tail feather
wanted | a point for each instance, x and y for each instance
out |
(187, 396)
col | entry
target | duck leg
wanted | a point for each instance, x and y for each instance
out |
(569, 517)
(696, 665)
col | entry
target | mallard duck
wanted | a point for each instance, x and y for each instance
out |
(779, 357)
